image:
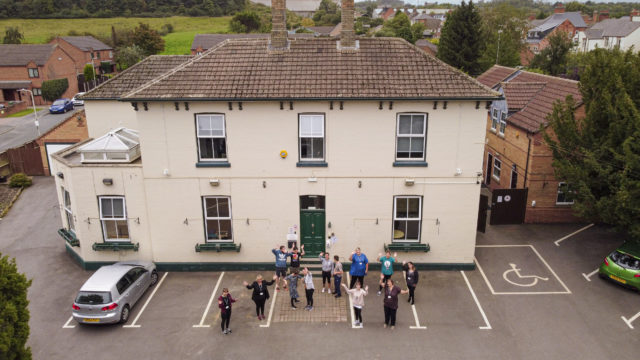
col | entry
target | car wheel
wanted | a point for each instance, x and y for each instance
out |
(154, 278)
(124, 315)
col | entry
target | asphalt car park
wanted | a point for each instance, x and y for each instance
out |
(494, 313)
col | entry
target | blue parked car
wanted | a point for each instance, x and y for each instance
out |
(61, 106)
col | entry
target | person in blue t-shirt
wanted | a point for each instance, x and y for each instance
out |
(281, 265)
(386, 267)
(359, 267)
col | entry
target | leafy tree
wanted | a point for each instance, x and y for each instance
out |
(599, 156)
(553, 59)
(148, 39)
(246, 21)
(89, 72)
(14, 312)
(504, 27)
(53, 89)
(400, 26)
(461, 41)
(327, 14)
(128, 56)
(307, 22)
(12, 35)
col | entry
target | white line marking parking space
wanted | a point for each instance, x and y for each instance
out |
(557, 242)
(206, 311)
(133, 324)
(273, 304)
(567, 291)
(67, 326)
(589, 275)
(629, 321)
(415, 313)
(487, 326)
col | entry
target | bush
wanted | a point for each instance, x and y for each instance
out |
(20, 180)
(14, 311)
(53, 89)
(246, 21)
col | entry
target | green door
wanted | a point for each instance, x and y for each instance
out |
(312, 231)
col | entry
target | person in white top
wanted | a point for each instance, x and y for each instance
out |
(357, 296)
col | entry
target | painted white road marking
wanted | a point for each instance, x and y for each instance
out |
(514, 269)
(273, 304)
(589, 275)
(206, 311)
(413, 307)
(557, 242)
(133, 324)
(67, 326)
(567, 291)
(475, 298)
(351, 311)
(629, 321)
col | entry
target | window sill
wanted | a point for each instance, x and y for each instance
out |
(213, 164)
(501, 135)
(406, 247)
(218, 247)
(115, 246)
(69, 237)
(311, 164)
(410, 164)
(564, 204)
(493, 130)
(495, 178)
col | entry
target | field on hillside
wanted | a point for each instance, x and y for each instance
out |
(37, 31)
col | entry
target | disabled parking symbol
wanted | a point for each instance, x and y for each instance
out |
(519, 279)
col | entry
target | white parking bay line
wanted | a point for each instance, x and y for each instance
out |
(413, 307)
(351, 311)
(67, 326)
(589, 275)
(473, 294)
(133, 324)
(557, 242)
(629, 321)
(206, 311)
(273, 304)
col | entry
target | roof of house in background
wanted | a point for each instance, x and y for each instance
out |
(296, 5)
(136, 76)
(495, 75)
(612, 27)
(321, 30)
(23, 54)
(422, 43)
(531, 95)
(575, 17)
(208, 41)
(244, 69)
(86, 43)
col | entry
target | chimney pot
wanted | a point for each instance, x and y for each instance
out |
(347, 34)
(279, 25)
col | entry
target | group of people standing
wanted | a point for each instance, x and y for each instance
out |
(331, 268)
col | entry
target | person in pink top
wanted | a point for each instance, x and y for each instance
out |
(357, 296)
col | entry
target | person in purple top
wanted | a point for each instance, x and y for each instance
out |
(391, 292)
(359, 267)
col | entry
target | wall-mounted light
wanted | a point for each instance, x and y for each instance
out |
(264, 184)
(312, 179)
(107, 181)
(329, 225)
(60, 174)
(359, 183)
(409, 182)
(165, 172)
(248, 221)
(377, 221)
(214, 182)
(458, 171)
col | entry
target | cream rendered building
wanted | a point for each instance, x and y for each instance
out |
(370, 140)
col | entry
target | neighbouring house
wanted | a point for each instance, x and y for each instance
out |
(69, 132)
(537, 39)
(433, 25)
(609, 33)
(204, 42)
(27, 66)
(428, 47)
(337, 143)
(88, 50)
(516, 155)
(304, 8)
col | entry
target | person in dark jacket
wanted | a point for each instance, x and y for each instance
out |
(390, 301)
(224, 303)
(260, 293)
(412, 277)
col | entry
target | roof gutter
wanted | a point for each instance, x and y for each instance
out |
(472, 98)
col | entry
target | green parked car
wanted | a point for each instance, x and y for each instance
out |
(623, 265)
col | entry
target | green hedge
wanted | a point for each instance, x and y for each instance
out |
(20, 180)
(53, 89)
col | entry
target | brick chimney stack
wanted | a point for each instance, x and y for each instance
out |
(279, 25)
(635, 15)
(596, 16)
(348, 35)
(604, 15)
(558, 8)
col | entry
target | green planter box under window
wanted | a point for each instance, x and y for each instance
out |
(218, 247)
(69, 237)
(115, 246)
(406, 247)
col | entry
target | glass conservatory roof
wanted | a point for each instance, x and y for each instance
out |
(121, 139)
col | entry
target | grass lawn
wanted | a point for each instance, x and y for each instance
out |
(23, 112)
(38, 31)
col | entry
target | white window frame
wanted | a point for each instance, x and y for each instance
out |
(37, 92)
(311, 135)
(123, 218)
(503, 122)
(494, 119)
(66, 206)
(497, 164)
(34, 73)
(206, 217)
(423, 136)
(223, 136)
(419, 219)
(560, 184)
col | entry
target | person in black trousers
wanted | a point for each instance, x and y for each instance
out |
(260, 293)
(412, 277)
(224, 303)
(391, 292)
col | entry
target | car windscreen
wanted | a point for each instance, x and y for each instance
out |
(93, 298)
(58, 102)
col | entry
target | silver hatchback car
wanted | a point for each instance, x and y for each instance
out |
(111, 292)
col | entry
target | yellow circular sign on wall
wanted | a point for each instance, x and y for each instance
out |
(283, 154)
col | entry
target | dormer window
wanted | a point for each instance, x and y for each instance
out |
(119, 146)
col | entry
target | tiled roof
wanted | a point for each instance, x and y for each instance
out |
(86, 43)
(209, 41)
(427, 44)
(556, 19)
(296, 5)
(382, 68)
(321, 30)
(495, 75)
(136, 76)
(518, 94)
(613, 27)
(22, 54)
